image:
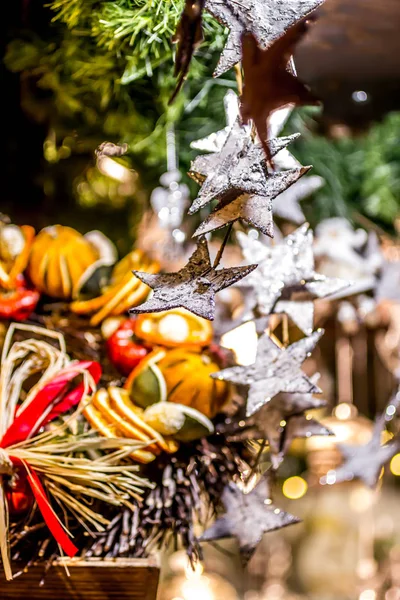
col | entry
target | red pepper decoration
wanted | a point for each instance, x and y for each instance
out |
(57, 396)
(124, 349)
(19, 303)
(19, 494)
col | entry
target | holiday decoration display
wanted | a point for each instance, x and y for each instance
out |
(33, 461)
(125, 421)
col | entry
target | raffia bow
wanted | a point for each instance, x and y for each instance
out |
(47, 399)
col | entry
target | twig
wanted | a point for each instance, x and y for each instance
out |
(222, 247)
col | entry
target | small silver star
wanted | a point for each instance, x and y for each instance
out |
(286, 280)
(193, 287)
(365, 462)
(254, 210)
(267, 20)
(286, 205)
(281, 420)
(215, 141)
(274, 370)
(239, 168)
(247, 517)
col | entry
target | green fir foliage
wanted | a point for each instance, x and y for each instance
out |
(362, 173)
(103, 71)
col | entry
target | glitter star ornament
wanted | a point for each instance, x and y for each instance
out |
(247, 517)
(275, 370)
(267, 20)
(239, 168)
(256, 210)
(364, 462)
(215, 141)
(281, 420)
(286, 281)
(286, 205)
(193, 287)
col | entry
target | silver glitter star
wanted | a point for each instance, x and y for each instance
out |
(286, 205)
(255, 210)
(247, 517)
(215, 141)
(277, 422)
(274, 370)
(239, 168)
(267, 20)
(193, 287)
(364, 462)
(286, 280)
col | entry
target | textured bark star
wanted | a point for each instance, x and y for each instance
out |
(274, 370)
(267, 20)
(239, 168)
(193, 287)
(254, 210)
(280, 421)
(247, 517)
(286, 280)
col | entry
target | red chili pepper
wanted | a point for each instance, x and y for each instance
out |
(124, 349)
(19, 303)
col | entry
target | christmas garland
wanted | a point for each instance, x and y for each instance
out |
(144, 456)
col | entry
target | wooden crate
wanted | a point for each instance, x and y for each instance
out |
(120, 579)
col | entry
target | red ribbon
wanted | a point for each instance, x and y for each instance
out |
(52, 400)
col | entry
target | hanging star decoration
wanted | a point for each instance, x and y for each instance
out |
(281, 420)
(275, 370)
(366, 462)
(256, 210)
(215, 141)
(247, 517)
(189, 36)
(283, 192)
(286, 205)
(286, 281)
(193, 287)
(239, 168)
(267, 21)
